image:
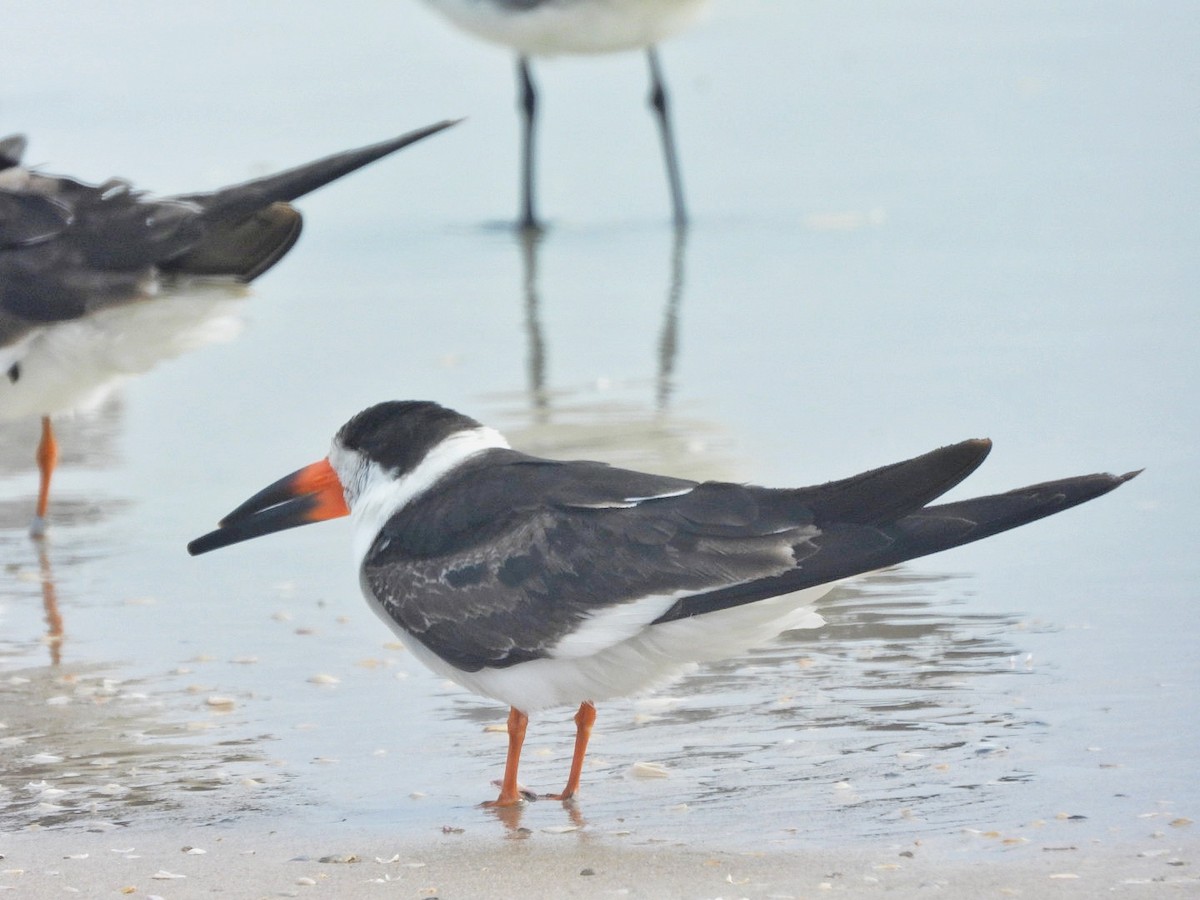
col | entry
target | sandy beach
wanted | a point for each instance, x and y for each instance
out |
(572, 863)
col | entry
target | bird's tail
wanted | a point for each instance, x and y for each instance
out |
(949, 525)
(843, 549)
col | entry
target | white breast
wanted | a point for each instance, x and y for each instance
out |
(572, 26)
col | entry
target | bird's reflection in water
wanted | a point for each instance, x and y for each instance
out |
(668, 340)
(90, 443)
(83, 744)
(614, 422)
(530, 242)
(511, 818)
(539, 401)
(54, 620)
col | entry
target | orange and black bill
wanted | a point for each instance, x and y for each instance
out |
(308, 495)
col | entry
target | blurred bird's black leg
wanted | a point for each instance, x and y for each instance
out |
(47, 459)
(528, 101)
(658, 100)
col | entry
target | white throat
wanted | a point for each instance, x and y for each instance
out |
(375, 494)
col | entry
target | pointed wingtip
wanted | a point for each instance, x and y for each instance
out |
(412, 137)
(973, 451)
(240, 200)
(1129, 476)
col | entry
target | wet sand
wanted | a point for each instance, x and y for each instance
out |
(236, 863)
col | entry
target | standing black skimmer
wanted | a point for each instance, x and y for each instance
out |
(551, 27)
(93, 277)
(542, 583)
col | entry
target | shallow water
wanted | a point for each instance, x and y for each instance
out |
(912, 225)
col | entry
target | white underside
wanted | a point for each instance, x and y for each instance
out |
(573, 26)
(75, 365)
(653, 656)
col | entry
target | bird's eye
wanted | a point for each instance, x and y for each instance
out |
(14, 372)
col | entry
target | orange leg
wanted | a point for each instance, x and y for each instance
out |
(584, 720)
(47, 458)
(510, 791)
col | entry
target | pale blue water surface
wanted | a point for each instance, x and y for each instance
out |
(913, 223)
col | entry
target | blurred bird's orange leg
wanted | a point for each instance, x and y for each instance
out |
(47, 458)
(510, 791)
(584, 720)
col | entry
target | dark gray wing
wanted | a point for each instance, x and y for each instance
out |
(102, 253)
(67, 249)
(510, 555)
(71, 248)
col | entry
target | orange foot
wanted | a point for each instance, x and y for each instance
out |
(515, 797)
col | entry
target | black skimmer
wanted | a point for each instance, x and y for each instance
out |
(92, 277)
(552, 27)
(542, 583)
